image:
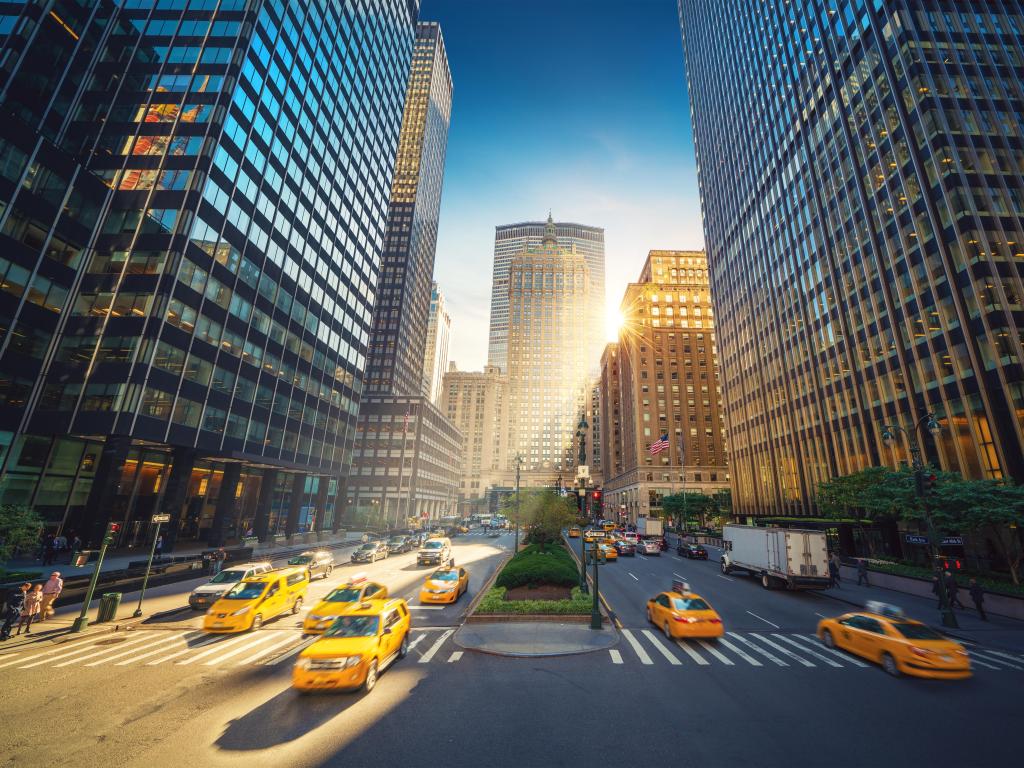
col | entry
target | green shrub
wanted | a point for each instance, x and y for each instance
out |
(494, 602)
(890, 565)
(531, 567)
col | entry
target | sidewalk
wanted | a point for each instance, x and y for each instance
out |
(534, 638)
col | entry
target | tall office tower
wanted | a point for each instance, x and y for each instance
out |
(194, 198)
(395, 364)
(435, 353)
(862, 181)
(611, 409)
(511, 240)
(668, 388)
(548, 361)
(476, 403)
(394, 476)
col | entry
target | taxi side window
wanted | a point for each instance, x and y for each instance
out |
(872, 625)
(462, 572)
(295, 578)
(402, 611)
(391, 620)
(371, 590)
(663, 601)
(273, 589)
(249, 574)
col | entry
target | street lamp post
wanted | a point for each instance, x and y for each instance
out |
(519, 464)
(595, 611)
(581, 432)
(583, 550)
(889, 431)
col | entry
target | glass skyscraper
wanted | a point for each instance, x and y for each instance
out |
(861, 167)
(206, 291)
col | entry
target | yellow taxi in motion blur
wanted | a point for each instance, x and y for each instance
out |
(608, 525)
(337, 601)
(608, 551)
(574, 532)
(902, 646)
(356, 648)
(682, 614)
(445, 585)
(258, 599)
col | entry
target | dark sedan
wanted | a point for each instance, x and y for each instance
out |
(400, 544)
(370, 552)
(624, 547)
(318, 563)
(692, 551)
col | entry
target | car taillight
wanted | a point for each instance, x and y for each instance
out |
(686, 619)
(715, 621)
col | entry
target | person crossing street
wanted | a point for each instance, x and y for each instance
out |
(978, 598)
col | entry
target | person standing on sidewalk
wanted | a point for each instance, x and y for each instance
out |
(978, 598)
(935, 591)
(218, 560)
(862, 572)
(51, 591)
(833, 569)
(15, 602)
(953, 591)
(30, 608)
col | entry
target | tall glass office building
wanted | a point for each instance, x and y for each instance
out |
(861, 167)
(194, 198)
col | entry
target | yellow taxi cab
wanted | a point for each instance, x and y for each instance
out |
(574, 532)
(882, 634)
(445, 585)
(608, 551)
(357, 590)
(682, 614)
(253, 601)
(356, 648)
(608, 525)
(463, 529)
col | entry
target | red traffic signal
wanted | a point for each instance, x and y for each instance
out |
(113, 528)
(955, 564)
(596, 496)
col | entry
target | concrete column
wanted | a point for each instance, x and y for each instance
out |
(261, 523)
(340, 503)
(222, 513)
(175, 494)
(104, 489)
(323, 483)
(291, 525)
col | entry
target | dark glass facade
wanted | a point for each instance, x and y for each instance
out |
(217, 300)
(861, 166)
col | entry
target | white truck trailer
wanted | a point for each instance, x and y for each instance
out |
(649, 526)
(787, 558)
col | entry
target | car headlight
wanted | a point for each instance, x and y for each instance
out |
(241, 611)
(351, 661)
(302, 663)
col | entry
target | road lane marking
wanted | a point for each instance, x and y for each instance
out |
(819, 615)
(847, 657)
(637, 648)
(740, 652)
(678, 576)
(634, 577)
(81, 649)
(980, 663)
(264, 652)
(661, 648)
(183, 651)
(991, 652)
(757, 649)
(725, 577)
(642, 557)
(416, 642)
(805, 649)
(79, 644)
(715, 652)
(692, 653)
(290, 653)
(616, 656)
(994, 657)
(209, 651)
(763, 619)
(159, 643)
(426, 607)
(677, 557)
(456, 655)
(258, 640)
(435, 647)
(785, 651)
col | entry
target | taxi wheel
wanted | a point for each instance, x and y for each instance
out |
(329, 569)
(403, 649)
(371, 677)
(889, 665)
(827, 640)
(667, 631)
(257, 622)
(650, 618)
(297, 605)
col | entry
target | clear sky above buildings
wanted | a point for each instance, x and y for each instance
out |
(574, 105)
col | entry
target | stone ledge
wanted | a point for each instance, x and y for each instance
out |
(555, 617)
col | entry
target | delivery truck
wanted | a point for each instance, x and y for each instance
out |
(649, 526)
(782, 558)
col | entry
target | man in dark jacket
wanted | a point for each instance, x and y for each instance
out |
(952, 591)
(936, 591)
(15, 602)
(833, 571)
(862, 572)
(978, 597)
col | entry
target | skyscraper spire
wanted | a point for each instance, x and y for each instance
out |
(550, 237)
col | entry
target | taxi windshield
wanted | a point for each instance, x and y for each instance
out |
(445, 576)
(690, 604)
(228, 577)
(246, 590)
(916, 631)
(343, 595)
(301, 560)
(433, 544)
(354, 626)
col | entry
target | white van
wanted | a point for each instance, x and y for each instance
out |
(206, 595)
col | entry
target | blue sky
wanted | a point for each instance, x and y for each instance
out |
(574, 105)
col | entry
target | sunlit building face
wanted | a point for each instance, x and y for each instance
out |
(862, 177)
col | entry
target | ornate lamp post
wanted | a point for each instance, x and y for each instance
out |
(928, 423)
(519, 464)
(581, 431)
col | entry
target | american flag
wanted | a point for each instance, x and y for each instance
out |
(659, 445)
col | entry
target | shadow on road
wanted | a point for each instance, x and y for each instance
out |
(283, 719)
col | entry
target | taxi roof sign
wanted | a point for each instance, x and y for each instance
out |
(680, 586)
(884, 609)
(357, 578)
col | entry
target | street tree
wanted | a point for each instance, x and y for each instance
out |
(688, 505)
(20, 525)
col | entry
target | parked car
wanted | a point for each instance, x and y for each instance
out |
(399, 544)
(692, 551)
(625, 547)
(319, 563)
(648, 547)
(370, 552)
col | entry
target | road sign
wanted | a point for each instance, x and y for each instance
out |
(953, 541)
(582, 471)
(161, 518)
(912, 539)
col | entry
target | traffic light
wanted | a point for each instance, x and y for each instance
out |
(952, 564)
(930, 479)
(112, 530)
(596, 502)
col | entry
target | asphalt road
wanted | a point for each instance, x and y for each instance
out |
(769, 696)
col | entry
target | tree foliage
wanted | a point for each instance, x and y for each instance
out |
(20, 525)
(542, 512)
(693, 505)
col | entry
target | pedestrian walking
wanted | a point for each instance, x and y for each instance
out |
(51, 591)
(30, 608)
(836, 563)
(833, 573)
(952, 591)
(159, 545)
(978, 598)
(218, 560)
(14, 603)
(862, 572)
(936, 592)
(49, 549)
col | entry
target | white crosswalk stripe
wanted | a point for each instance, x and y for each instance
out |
(212, 650)
(815, 654)
(758, 649)
(784, 651)
(996, 657)
(265, 651)
(692, 653)
(714, 652)
(661, 648)
(89, 650)
(234, 652)
(158, 642)
(426, 657)
(201, 644)
(740, 652)
(813, 639)
(288, 654)
(640, 652)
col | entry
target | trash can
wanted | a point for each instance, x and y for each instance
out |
(109, 603)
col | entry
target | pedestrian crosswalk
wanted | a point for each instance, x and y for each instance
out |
(765, 650)
(182, 648)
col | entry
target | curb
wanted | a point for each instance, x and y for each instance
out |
(485, 588)
(612, 616)
(132, 622)
(514, 655)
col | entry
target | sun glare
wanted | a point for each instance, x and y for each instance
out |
(613, 323)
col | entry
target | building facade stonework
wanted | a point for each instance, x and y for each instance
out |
(435, 353)
(477, 404)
